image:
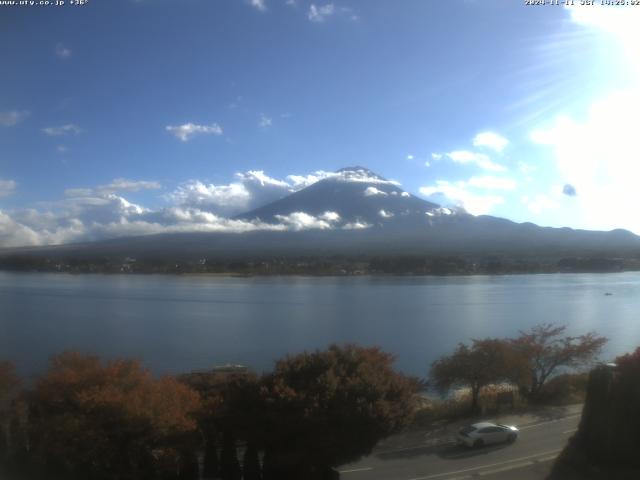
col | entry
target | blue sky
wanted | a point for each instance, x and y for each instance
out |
(125, 117)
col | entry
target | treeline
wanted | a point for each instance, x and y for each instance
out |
(94, 420)
(86, 418)
(529, 361)
(325, 265)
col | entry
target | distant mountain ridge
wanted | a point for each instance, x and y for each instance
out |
(355, 211)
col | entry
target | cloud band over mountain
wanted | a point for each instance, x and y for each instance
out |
(102, 212)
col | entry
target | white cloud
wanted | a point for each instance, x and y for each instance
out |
(260, 177)
(100, 212)
(68, 129)
(357, 175)
(74, 219)
(98, 209)
(125, 185)
(373, 191)
(62, 51)
(250, 190)
(299, 182)
(12, 117)
(265, 121)
(330, 216)
(457, 194)
(97, 217)
(78, 192)
(493, 183)
(490, 140)
(474, 195)
(189, 130)
(63, 227)
(363, 175)
(436, 156)
(356, 225)
(303, 221)
(480, 159)
(539, 203)
(385, 214)
(224, 199)
(191, 221)
(7, 187)
(410, 157)
(36, 219)
(258, 5)
(14, 234)
(176, 219)
(119, 184)
(320, 13)
(598, 155)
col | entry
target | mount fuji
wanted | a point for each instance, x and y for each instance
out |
(354, 211)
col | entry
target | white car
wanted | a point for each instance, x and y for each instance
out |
(486, 433)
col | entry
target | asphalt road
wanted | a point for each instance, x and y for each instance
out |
(530, 457)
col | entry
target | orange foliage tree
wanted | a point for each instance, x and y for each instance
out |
(98, 420)
(9, 383)
(484, 362)
(547, 351)
(9, 380)
(327, 408)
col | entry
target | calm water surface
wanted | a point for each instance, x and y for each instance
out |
(178, 323)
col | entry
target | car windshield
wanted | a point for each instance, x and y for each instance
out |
(467, 430)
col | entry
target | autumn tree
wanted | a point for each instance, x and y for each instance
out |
(9, 384)
(330, 407)
(231, 410)
(546, 351)
(484, 362)
(95, 420)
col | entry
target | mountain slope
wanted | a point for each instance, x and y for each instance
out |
(353, 212)
(360, 198)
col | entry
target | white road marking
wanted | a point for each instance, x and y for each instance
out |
(471, 469)
(550, 456)
(448, 443)
(546, 459)
(505, 469)
(353, 470)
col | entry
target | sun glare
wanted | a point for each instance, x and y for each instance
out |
(619, 24)
(596, 153)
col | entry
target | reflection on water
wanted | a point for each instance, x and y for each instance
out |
(178, 323)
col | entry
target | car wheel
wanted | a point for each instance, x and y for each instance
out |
(478, 443)
(512, 438)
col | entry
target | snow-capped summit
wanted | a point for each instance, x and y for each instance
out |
(360, 174)
(357, 195)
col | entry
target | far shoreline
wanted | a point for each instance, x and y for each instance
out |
(315, 275)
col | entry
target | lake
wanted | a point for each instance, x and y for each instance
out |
(179, 323)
